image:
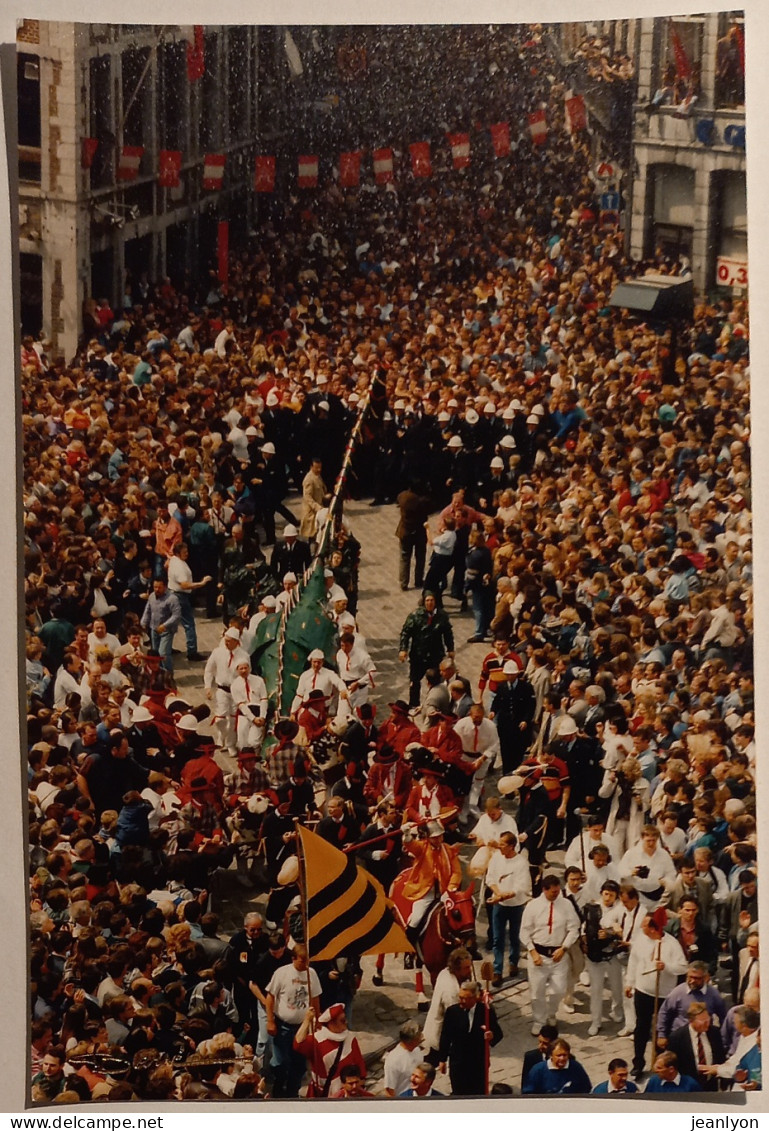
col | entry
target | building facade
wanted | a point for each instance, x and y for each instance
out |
(85, 233)
(679, 140)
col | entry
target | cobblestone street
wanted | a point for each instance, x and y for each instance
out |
(378, 1013)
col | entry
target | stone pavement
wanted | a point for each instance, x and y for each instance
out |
(378, 1013)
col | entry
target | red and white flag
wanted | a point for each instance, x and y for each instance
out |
(576, 115)
(420, 159)
(383, 166)
(88, 149)
(538, 127)
(129, 162)
(196, 55)
(500, 139)
(460, 150)
(264, 174)
(349, 169)
(169, 167)
(307, 172)
(213, 170)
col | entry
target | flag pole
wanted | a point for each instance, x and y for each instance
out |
(303, 907)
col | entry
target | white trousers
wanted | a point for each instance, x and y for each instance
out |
(224, 719)
(548, 984)
(249, 734)
(419, 909)
(600, 973)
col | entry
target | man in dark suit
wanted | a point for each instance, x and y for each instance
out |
(467, 1028)
(292, 555)
(697, 1043)
(242, 956)
(547, 1034)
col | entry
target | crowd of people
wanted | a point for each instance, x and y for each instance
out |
(579, 477)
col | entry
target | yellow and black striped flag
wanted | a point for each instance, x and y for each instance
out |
(348, 913)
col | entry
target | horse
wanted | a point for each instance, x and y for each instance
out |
(448, 924)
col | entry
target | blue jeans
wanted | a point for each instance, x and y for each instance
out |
(500, 918)
(287, 1064)
(188, 621)
(483, 609)
(163, 643)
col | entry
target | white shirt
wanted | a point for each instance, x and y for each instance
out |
(398, 1066)
(510, 874)
(95, 642)
(573, 857)
(477, 740)
(325, 680)
(357, 667)
(487, 830)
(64, 684)
(179, 575)
(641, 972)
(549, 923)
(596, 877)
(661, 868)
(289, 988)
(222, 666)
(249, 692)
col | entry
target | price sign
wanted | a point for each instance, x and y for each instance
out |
(731, 272)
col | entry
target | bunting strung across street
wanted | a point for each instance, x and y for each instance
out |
(348, 913)
(350, 163)
(500, 138)
(169, 167)
(460, 150)
(349, 169)
(213, 170)
(307, 172)
(576, 115)
(129, 161)
(264, 174)
(538, 127)
(383, 166)
(420, 159)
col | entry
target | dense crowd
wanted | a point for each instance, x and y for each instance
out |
(589, 478)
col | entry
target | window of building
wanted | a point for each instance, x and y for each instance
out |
(101, 121)
(679, 60)
(238, 67)
(672, 210)
(28, 89)
(730, 60)
(172, 97)
(31, 293)
(730, 229)
(137, 97)
(209, 119)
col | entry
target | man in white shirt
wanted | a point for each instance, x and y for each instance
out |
(400, 1062)
(602, 933)
(655, 963)
(480, 745)
(287, 1002)
(180, 582)
(594, 833)
(221, 668)
(549, 926)
(356, 669)
(648, 867)
(508, 877)
(249, 698)
(317, 678)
